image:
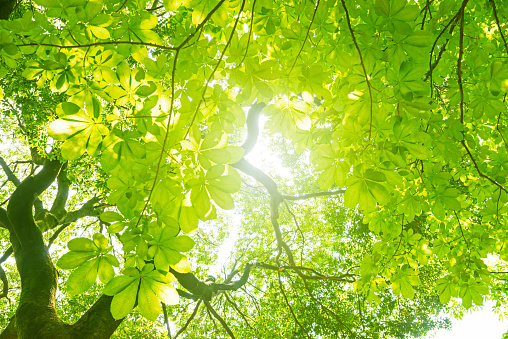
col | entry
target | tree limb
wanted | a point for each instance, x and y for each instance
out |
(219, 318)
(313, 195)
(253, 126)
(10, 175)
(346, 277)
(62, 194)
(192, 316)
(4, 219)
(97, 322)
(19, 209)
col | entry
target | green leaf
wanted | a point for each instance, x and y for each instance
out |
(106, 272)
(111, 216)
(74, 259)
(100, 241)
(83, 277)
(123, 302)
(149, 305)
(188, 219)
(81, 245)
(180, 244)
(166, 293)
(118, 284)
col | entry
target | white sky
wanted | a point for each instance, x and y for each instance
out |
(483, 324)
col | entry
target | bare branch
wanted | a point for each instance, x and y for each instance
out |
(215, 68)
(62, 194)
(10, 175)
(250, 32)
(498, 25)
(166, 321)
(192, 316)
(253, 126)
(348, 330)
(306, 37)
(362, 63)
(313, 195)
(345, 277)
(281, 286)
(237, 309)
(219, 318)
(452, 20)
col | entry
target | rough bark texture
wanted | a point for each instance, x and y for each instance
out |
(97, 322)
(36, 314)
(6, 7)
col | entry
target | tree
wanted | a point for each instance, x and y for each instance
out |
(139, 107)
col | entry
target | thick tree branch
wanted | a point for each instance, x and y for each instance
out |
(5, 284)
(10, 332)
(6, 8)
(20, 205)
(87, 210)
(10, 175)
(253, 126)
(4, 219)
(36, 312)
(3, 276)
(62, 194)
(97, 322)
(206, 290)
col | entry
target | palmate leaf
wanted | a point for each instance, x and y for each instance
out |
(74, 259)
(166, 247)
(286, 116)
(123, 302)
(148, 302)
(220, 182)
(366, 189)
(153, 288)
(80, 133)
(334, 169)
(83, 277)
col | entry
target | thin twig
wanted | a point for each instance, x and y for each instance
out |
(215, 69)
(362, 63)
(312, 195)
(306, 37)
(250, 33)
(101, 43)
(281, 286)
(166, 321)
(192, 316)
(498, 25)
(219, 318)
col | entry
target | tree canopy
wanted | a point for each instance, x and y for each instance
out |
(128, 128)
